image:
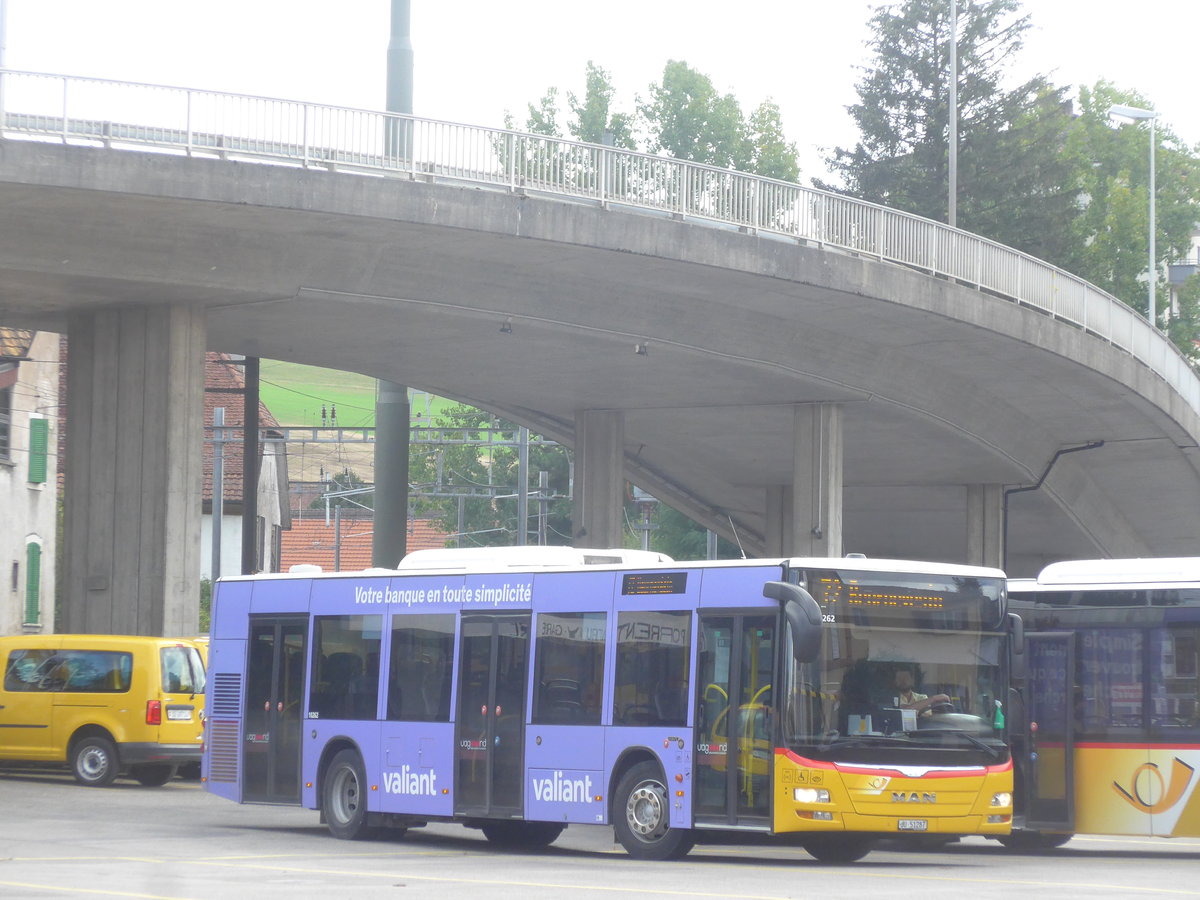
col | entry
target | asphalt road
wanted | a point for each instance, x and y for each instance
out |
(177, 842)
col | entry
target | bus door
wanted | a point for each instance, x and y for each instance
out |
(493, 659)
(274, 709)
(1048, 790)
(734, 725)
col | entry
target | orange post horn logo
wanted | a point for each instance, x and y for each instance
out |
(1167, 794)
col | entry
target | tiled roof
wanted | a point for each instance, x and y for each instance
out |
(311, 541)
(15, 342)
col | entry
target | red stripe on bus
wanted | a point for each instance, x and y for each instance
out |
(880, 770)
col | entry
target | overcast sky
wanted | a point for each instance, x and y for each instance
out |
(477, 59)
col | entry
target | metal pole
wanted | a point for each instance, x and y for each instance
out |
(337, 538)
(543, 504)
(952, 212)
(218, 489)
(1152, 272)
(523, 489)
(250, 560)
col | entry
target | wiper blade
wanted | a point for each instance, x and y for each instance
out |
(994, 751)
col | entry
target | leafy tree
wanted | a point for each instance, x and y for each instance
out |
(674, 534)
(486, 477)
(1013, 182)
(347, 480)
(1111, 230)
(594, 120)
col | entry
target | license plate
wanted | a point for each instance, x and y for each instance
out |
(914, 824)
(179, 715)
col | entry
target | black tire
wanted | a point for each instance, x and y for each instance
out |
(189, 771)
(522, 835)
(94, 761)
(344, 797)
(1033, 841)
(838, 848)
(642, 816)
(152, 775)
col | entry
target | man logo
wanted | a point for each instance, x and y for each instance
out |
(1152, 794)
(914, 797)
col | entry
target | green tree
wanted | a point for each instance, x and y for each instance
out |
(346, 480)
(486, 478)
(1014, 184)
(593, 119)
(1111, 229)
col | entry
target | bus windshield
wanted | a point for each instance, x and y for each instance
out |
(904, 659)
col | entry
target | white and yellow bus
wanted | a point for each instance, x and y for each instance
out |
(1107, 732)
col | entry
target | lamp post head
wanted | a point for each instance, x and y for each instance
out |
(1131, 112)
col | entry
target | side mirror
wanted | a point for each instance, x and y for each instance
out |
(1016, 627)
(803, 616)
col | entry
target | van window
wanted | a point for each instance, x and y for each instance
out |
(24, 670)
(71, 671)
(182, 670)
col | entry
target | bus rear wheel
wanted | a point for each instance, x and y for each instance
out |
(344, 798)
(1033, 841)
(838, 848)
(642, 817)
(522, 835)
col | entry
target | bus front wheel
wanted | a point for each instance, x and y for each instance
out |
(642, 818)
(344, 797)
(837, 847)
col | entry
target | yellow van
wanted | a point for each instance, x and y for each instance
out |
(103, 704)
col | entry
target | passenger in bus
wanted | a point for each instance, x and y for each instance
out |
(909, 698)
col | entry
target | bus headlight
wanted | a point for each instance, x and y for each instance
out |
(1002, 798)
(810, 795)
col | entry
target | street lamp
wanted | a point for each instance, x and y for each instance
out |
(1135, 113)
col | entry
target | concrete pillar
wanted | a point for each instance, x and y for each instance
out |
(985, 525)
(598, 513)
(817, 481)
(389, 543)
(135, 433)
(779, 520)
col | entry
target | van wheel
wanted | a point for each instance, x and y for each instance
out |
(94, 761)
(152, 775)
(642, 817)
(344, 797)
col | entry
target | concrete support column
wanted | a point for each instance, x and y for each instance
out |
(985, 525)
(779, 520)
(389, 543)
(817, 481)
(598, 513)
(135, 435)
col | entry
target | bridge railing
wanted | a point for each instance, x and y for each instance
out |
(205, 123)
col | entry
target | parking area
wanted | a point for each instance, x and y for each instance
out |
(177, 842)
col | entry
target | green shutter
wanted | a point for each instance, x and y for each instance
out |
(39, 439)
(33, 583)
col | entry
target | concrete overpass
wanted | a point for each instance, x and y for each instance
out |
(798, 371)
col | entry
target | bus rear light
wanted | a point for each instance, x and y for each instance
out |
(153, 712)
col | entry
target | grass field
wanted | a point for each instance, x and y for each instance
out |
(295, 393)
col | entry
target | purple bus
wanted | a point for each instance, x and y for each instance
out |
(543, 687)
